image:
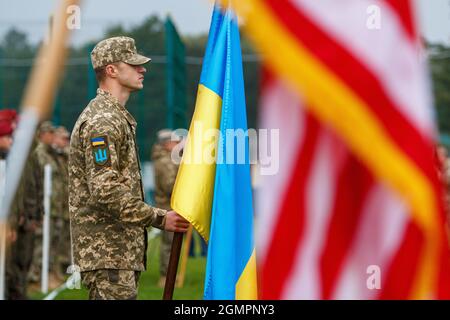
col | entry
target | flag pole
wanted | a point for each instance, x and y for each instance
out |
(173, 265)
(46, 228)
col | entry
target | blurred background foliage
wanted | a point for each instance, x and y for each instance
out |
(149, 106)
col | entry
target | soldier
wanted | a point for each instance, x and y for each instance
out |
(165, 175)
(44, 153)
(106, 200)
(25, 213)
(7, 119)
(61, 147)
(30, 220)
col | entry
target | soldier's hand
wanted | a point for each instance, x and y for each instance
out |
(175, 222)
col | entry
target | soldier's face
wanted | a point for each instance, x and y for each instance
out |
(5, 142)
(131, 77)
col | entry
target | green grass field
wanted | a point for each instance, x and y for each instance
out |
(148, 289)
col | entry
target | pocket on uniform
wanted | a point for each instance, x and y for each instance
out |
(113, 276)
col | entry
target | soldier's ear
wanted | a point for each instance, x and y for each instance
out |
(111, 70)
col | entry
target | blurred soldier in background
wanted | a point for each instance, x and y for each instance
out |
(165, 175)
(443, 171)
(44, 153)
(7, 118)
(106, 198)
(61, 148)
(30, 221)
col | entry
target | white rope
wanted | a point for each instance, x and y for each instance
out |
(22, 139)
(71, 283)
(52, 295)
(2, 233)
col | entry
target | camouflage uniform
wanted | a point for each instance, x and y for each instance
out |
(165, 175)
(11, 269)
(106, 198)
(63, 251)
(112, 284)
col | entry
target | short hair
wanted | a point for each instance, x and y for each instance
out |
(100, 73)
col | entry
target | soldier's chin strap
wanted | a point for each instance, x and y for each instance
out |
(3, 229)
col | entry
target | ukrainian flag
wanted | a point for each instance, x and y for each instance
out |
(98, 142)
(215, 195)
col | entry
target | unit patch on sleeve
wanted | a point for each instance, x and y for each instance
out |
(100, 151)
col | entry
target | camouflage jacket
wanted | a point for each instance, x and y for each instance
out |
(106, 199)
(165, 175)
(45, 154)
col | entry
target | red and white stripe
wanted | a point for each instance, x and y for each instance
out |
(324, 219)
(318, 231)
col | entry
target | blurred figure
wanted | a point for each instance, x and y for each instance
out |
(9, 116)
(442, 155)
(6, 131)
(165, 175)
(44, 153)
(25, 215)
(30, 221)
(108, 213)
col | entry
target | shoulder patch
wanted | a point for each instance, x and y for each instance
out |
(100, 151)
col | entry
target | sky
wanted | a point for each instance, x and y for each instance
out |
(190, 16)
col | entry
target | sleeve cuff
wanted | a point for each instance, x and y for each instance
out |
(160, 218)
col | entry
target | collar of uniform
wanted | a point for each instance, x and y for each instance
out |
(115, 101)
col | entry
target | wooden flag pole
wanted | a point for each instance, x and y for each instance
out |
(184, 258)
(173, 266)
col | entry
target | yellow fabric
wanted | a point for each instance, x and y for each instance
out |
(191, 199)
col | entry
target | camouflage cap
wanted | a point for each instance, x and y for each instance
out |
(6, 128)
(8, 114)
(114, 50)
(46, 126)
(62, 132)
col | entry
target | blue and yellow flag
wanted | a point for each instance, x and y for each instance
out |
(213, 186)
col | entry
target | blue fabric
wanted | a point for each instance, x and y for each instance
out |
(231, 236)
